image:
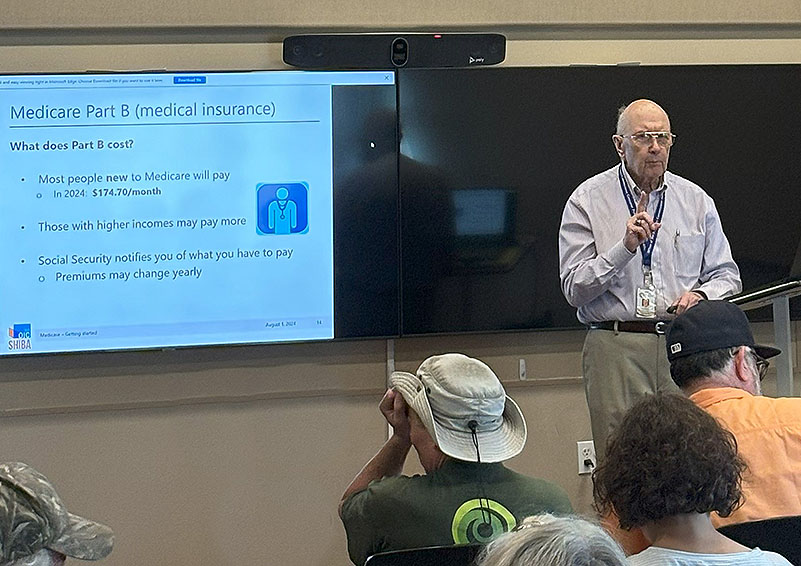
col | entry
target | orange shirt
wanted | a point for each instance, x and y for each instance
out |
(768, 432)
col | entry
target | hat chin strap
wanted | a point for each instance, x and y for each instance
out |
(485, 528)
(473, 426)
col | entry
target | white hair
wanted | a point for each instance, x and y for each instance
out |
(555, 541)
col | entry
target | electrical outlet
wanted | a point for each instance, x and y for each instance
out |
(586, 456)
(521, 367)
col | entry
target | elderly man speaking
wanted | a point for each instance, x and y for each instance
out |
(456, 414)
(636, 244)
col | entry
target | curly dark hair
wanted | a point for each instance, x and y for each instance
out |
(668, 457)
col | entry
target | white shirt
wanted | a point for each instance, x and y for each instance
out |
(600, 276)
(657, 556)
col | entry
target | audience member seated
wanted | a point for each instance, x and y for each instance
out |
(668, 465)
(545, 540)
(35, 527)
(462, 425)
(714, 360)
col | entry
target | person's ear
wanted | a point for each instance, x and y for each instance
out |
(742, 368)
(618, 141)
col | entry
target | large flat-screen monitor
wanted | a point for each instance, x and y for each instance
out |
(490, 156)
(157, 210)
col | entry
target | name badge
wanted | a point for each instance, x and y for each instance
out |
(646, 296)
(646, 302)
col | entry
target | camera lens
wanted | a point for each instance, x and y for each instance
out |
(400, 52)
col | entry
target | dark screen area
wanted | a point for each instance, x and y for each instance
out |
(366, 256)
(521, 139)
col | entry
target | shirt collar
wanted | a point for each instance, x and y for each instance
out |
(636, 190)
(707, 397)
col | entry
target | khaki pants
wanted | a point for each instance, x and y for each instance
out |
(619, 369)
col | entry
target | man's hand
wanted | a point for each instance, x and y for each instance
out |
(686, 301)
(393, 407)
(640, 226)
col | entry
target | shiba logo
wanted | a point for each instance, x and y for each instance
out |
(19, 337)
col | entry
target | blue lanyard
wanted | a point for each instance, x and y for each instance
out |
(647, 247)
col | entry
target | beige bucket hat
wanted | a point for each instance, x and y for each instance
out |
(464, 407)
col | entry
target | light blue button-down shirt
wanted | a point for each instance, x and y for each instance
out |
(600, 276)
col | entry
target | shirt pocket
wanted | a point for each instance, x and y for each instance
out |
(688, 257)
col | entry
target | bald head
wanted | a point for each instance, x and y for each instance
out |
(642, 110)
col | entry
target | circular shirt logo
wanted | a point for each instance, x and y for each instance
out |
(480, 520)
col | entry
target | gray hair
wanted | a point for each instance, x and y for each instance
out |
(619, 122)
(716, 365)
(554, 541)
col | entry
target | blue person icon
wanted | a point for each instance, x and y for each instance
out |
(282, 214)
(282, 208)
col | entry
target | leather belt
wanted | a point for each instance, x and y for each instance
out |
(646, 326)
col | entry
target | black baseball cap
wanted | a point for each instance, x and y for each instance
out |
(712, 325)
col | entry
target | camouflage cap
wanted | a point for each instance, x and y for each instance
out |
(33, 517)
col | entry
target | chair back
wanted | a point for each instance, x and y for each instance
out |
(782, 535)
(455, 555)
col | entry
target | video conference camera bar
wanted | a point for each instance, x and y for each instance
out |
(387, 50)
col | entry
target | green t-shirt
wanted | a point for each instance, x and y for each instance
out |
(462, 502)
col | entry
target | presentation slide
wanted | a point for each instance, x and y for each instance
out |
(166, 210)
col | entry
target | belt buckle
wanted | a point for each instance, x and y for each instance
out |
(659, 327)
